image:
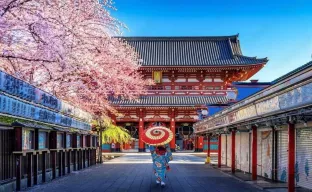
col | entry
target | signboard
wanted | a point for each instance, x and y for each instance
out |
(25, 91)
(78, 141)
(18, 108)
(43, 139)
(157, 76)
(27, 139)
(268, 106)
(68, 141)
(246, 113)
(60, 140)
(296, 97)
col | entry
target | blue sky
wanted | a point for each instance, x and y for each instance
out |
(279, 30)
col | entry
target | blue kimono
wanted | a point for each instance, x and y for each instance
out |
(160, 162)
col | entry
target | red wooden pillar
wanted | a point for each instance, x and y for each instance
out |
(219, 151)
(141, 129)
(208, 150)
(291, 157)
(200, 144)
(172, 128)
(254, 153)
(233, 151)
(196, 143)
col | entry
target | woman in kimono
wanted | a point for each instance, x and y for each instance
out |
(161, 155)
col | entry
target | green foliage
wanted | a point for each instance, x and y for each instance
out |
(114, 133)
(111, 133)
(9, 120)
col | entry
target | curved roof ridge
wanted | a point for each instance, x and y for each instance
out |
(255, 57)
(185, 38)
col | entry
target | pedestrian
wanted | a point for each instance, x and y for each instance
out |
(158, 138)
(161, 155)
(113, 147)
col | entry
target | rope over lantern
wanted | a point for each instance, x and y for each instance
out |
(157, 135)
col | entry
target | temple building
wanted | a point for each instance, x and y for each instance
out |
(192, 75)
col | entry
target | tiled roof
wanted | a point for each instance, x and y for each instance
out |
(297, 70)
(30, 125)
(170, 101)
(190, 51)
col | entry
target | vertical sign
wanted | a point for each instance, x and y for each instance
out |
(157, 76)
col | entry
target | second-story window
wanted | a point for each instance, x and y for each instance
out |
(186, 87)
(208, 87)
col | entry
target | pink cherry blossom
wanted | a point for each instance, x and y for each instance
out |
(66, 48)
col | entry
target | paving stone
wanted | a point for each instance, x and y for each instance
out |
(133, 172)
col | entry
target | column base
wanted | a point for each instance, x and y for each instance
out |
(196, 150)
(173, 150)
(207, 160)
(141, 149)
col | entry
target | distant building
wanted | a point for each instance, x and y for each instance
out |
(193, 78)
(245, 89)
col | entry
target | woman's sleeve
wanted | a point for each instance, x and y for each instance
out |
(168, 155)
(152, 150)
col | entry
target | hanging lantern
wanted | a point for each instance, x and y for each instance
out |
(204, 112)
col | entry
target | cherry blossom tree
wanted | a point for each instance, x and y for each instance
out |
(66, 48)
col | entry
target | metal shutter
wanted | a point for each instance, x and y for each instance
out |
(229, 150)
(304, 157)
(223, 149)
(266, 148)
(282, 156)
(244, 151)
(237, 150)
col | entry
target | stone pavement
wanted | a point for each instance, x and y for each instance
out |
(133, 172)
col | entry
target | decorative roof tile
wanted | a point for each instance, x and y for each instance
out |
(190, 51)
(170, 101)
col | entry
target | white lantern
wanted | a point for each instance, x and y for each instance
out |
(204, 112)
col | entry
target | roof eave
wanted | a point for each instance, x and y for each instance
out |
(201, 66)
